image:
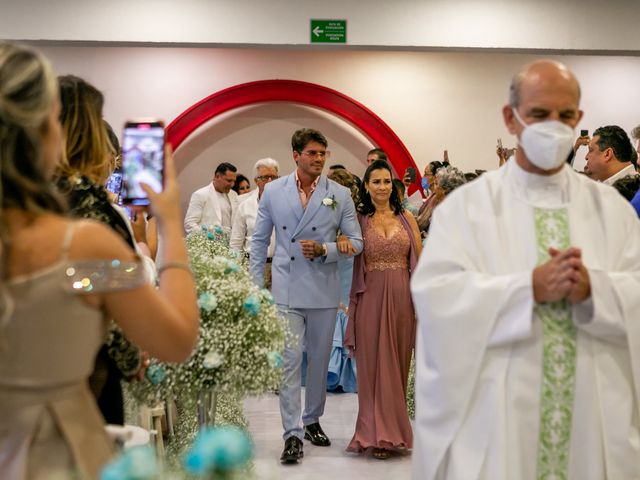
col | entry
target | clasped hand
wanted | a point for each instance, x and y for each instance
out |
(313, 249)
(562, 276)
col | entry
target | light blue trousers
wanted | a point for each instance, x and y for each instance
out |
(312, 329)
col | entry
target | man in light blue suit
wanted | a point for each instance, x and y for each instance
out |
(307, 210)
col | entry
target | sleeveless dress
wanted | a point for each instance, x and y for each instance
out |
(385, 329)
(50, 426)
(118, 358)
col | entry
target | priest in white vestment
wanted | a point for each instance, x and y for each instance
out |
(528, 299)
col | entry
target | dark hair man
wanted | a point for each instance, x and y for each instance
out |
(214, 204)
(306, 210)
(609, 156)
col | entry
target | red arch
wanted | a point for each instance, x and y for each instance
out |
(292, 91)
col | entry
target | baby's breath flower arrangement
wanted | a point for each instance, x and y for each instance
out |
(241, 335)
(411, 388)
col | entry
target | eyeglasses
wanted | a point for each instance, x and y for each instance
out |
(316, 153)
(267, 178)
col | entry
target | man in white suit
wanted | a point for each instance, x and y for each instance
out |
(214, 204)
(306, 209)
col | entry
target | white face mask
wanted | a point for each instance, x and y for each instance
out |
(546, 144)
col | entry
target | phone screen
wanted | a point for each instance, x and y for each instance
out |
(142, 160)
(114, 182)
(412, 173)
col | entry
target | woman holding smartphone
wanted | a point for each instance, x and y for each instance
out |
(87, 162)
(61, 280)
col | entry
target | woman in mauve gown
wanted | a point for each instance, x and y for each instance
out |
(381, 330)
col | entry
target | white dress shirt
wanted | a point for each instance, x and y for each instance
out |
(209, 207)
(243, 225)
(628, 170)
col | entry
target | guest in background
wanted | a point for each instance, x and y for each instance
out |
(336, 166)
(447, 179)
(342, 367)
(469, 176)
(382, 324)
(628, 186)
(376, 154)
(428, 186)
(242, 185)
(635, 137)
(51, 330)
(399, 186)
(87, 162)
(265, 170)
(214, 204)
(609, 156)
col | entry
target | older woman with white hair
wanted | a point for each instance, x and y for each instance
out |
(448, 178)
(264, 171)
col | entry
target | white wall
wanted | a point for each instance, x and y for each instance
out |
(523, 24)
(432, 100)
(245, 135)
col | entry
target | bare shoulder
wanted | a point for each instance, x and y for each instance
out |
(93, 240)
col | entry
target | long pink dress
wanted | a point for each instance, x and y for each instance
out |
(384, 328)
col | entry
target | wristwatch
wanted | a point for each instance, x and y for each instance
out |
(325, 250)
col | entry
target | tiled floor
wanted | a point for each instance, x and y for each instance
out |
(331, 463)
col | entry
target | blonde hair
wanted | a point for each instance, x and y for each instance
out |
(28, 90)
(88, 151)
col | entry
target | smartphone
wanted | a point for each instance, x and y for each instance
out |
(130, 212)
(142, 159)
(114, 182)
(412, 173)
(584, 133)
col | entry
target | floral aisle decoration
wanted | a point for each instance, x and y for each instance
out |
(221, 453)
(411, 388)
(239, 346)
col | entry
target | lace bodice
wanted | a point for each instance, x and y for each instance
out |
(383, 254)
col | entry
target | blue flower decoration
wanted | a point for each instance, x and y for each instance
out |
(210, 236)
(231, 267)
(218, 230)
(207, 302)
(266, 294)
(252, 305)
(155, 374)
(219, 449)
(275, 359)
(204, 228)
(136, 463)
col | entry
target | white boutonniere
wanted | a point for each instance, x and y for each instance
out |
(330, 202)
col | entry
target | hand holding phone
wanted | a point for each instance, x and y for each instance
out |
(584, 133)
(410, 174)
(142, 160)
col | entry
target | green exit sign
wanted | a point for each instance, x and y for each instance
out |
(328, 31)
